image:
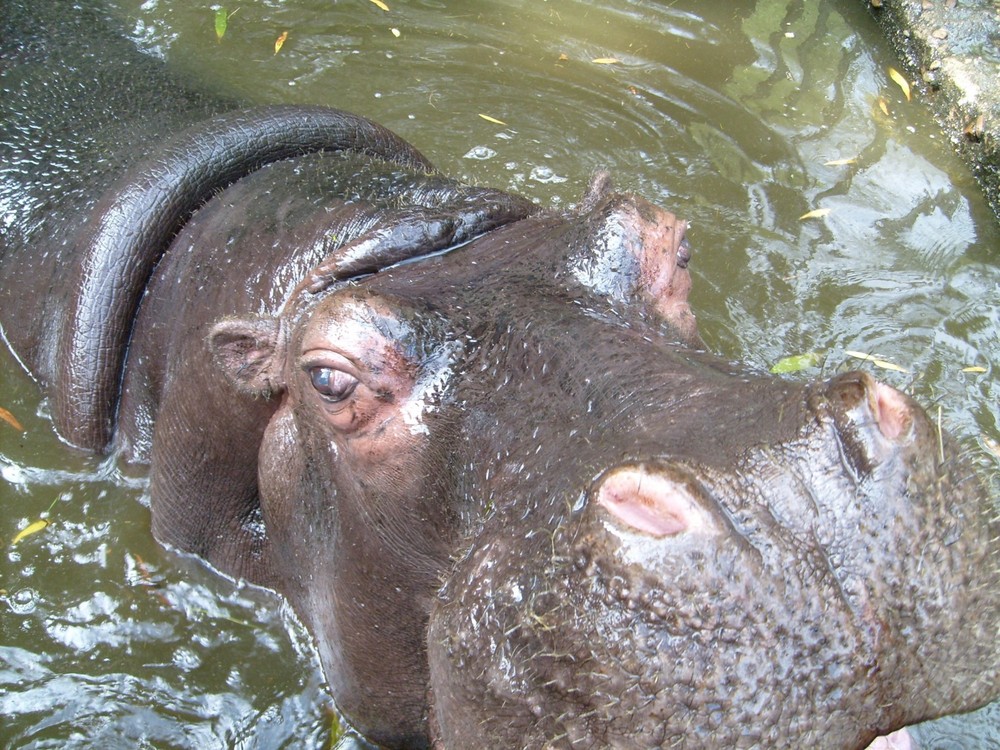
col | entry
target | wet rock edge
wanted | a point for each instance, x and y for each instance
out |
(951, 51)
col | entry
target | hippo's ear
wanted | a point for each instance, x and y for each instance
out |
(246, 350)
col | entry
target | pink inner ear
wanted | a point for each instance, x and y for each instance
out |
(649, 502)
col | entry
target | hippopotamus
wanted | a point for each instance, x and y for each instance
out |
(481, 449)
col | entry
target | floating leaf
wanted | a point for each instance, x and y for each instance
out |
(494, 120)
(817, 213)
(31, 528)
(840, 162)
(10, 419)
(280, 41)
(606, 60)
(974, 368)
(877, 361)
(563, 56)
(221, 23)
(796, 363)
(381, 5)
(153, 587)
(900, 81)
(884, 106)
(395, 32)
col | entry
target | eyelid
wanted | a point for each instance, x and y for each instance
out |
(328, 358)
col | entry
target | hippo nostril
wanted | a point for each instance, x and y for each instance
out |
(860, 400)
(650, 501)
(873, 420)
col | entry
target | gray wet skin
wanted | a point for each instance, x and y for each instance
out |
(537, 497)
(511, 496)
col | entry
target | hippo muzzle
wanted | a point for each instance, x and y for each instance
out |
(786, 597)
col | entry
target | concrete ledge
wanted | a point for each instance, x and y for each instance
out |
(951, 49)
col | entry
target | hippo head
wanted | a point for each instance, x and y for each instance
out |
(518, 506)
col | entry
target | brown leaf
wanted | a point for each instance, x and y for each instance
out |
(10, 419)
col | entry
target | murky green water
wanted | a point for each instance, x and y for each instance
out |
(740, 116)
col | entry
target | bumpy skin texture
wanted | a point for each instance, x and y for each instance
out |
(609, 537)
(511, 497)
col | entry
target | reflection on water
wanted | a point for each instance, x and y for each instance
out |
(741, 117)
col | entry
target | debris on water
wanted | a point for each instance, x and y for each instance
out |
(31, 528)
(606, 60)
(380, 4)
(796, 363)
(900, 81)
(841, 162)
(10, 419)
(36, 526)
(221, 22)
(974, 368)
(877, 361)
(816, 213)
(280, 41)
(494, 120)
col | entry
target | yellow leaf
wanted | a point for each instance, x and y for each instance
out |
(494, 120)
(380, 4)
(974, 368)
(605, 60)
(10, 419)
(840, 162)
(877, 361)
(817, 213)
(897, 77)
(563, 56)
(883, 106)
(31, 528)
(280, 41)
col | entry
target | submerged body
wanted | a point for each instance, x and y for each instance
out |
(511, 496)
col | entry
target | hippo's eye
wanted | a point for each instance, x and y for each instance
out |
(333, 385)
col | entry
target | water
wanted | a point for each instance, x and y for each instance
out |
(741, 117)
